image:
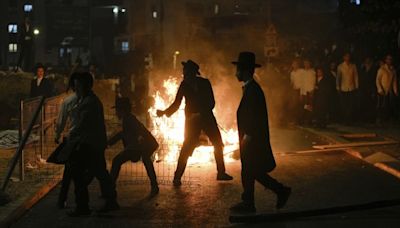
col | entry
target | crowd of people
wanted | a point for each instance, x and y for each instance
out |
(345, 93)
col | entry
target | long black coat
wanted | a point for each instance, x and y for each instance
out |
(45, 88)
(252, 120)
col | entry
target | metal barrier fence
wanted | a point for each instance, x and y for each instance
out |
(34, 169)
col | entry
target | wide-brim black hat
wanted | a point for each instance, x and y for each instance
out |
(246, 59)
(191, 65)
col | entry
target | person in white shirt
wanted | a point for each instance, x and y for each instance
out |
(387, 87)
(296, 80)
(66, 114)
(347, 85)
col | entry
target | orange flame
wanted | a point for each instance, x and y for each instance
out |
(171, 130)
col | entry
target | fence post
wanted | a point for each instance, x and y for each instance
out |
(18, 152)
(42, 130)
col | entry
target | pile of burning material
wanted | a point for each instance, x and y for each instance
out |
(170, 131)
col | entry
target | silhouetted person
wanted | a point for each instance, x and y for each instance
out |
(347, 85)
(368, 91)
(26, 44)
(40, 85)
(324, 92)
(89, 139)
(255, 148)
(387, 87)
(66, 115)
(199, 117)
(138, 143)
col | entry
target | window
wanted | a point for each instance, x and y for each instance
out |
(357, 2)
(12, 47)
(155, 14)
(124, 46)
(28, 8)
(12, 28)
(216, 9)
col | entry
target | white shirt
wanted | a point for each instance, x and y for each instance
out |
(38, 81)
(386, 80)
(66, 108)
(308, 81)
(347, 77)
(296, 78)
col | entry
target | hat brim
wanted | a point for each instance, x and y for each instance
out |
(184, 63)
(244, 64)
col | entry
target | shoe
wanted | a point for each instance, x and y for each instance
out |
(154, 190)
(177, 182)
(283, 197)
(243, 207)
(109, 206)
(224, 177)
(61, 204)
(79, 212)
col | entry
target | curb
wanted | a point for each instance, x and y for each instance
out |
(355, 153)
(29, 202)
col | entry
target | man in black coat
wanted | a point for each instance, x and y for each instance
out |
(199, 117)
(255, 148)
(138, 143)
(41, 86)
(88, 139)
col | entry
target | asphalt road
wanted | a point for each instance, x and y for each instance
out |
(318, 181)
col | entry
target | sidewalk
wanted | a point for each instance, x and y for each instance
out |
(385, 157)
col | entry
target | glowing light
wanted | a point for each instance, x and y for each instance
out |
(170, 131)
(36, 31)
(115, 10)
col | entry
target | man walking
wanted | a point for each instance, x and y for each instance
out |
(199, 117)
(89, 140)
(255, 149)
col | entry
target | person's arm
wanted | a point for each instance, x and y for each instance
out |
(61, 121)
(85, 114)
(378, 82)
(338, 78)
(355, 76)
(175, 105)
(115, 138)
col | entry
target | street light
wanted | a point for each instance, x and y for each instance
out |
(115, 10)
(36, 32)
(175, 58)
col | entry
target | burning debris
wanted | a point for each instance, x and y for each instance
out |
(170, 131)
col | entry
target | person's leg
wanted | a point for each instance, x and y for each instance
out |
(81, 191)
(248, 181)
(99, 169)
(192, 133)
(148, 164)
(247, 204)
(282, 192)
(65, 183)
(213, 133)
(117, 162)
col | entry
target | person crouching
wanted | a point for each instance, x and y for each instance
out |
(138, 143)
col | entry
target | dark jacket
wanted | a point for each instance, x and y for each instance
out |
(252, 120)
(90, 128)
(199, 98)
(132, 129)
(324, 93)
(45, 88)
